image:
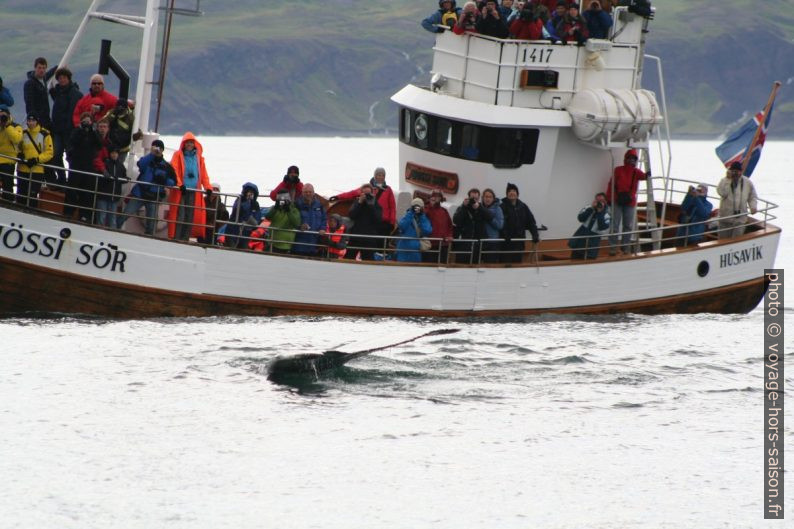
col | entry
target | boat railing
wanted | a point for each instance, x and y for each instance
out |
(242, 235)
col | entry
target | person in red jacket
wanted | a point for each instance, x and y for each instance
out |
(291, 184)
(622, 195)
(383, 194)
(526, 26)
(442, 228)
(96, 101)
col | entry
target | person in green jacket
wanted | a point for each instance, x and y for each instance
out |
(283, 216)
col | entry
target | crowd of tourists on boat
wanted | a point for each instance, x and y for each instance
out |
(95, 131)
(556, 21)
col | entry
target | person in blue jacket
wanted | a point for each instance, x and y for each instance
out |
(493, 227)
(413, 224)
(313, 219)
(598, 21)
(695, 211)
(245, 217)
(5, 95)
(447, 15)
(155, 174)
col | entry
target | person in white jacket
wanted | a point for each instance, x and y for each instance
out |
(737, 194)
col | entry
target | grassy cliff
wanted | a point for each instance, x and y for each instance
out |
(330, 67)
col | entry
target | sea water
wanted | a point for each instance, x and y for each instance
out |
(547, 421)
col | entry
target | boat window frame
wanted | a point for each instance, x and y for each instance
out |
(485, 146)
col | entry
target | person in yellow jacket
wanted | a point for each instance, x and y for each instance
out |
(10, 136)
(36, 149)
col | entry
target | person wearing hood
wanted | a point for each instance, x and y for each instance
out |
(383, 195)
(416, 225)
(334, 237)
(35, 92)
(291, 184)
(598, 21)
(187, 216)
(155, 174)
(36, 149)
(622, 197)
(65, 94)
(446, 15)
(493, 227)
(5, 95)
(442, 227)
(245, 217)
(109, 188)
(313, 219)
(284, 217)
(10, 138)
(97, 101)
(517, 220)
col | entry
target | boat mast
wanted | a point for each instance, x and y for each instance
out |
(143, 90)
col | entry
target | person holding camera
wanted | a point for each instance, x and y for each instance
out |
(10, 137)
(383, 194)
(416, 225)
(154, 175)
(598, 21)
(446, 15)
(695, 211)
(36, 149)
(245, 217)
(81, 150)
(595, 221)
(442, 229)
(467, 21)
(367, 218)
(622, 197)
(526, 26)
(491, 22)
(291, 183)
(737, 193)
(97, 101)
(284, 218)
(572, 27)
(470, 220)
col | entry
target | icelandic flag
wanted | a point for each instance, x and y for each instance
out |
(740, 142)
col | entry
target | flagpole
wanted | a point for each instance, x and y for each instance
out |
(761, 124)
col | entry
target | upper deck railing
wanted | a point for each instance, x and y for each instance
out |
(538, 74)
(459, 252)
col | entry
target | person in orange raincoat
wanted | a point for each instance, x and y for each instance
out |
(188, 215)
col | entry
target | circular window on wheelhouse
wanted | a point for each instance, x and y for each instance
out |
(420, 130)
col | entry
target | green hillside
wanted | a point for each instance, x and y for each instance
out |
(330, 67)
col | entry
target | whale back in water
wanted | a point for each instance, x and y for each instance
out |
(316, 363)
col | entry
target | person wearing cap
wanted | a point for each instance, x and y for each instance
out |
(517, 220)
(413, 226)
(284, 219)
(442, 226)
(35, 149)
(737, 194)
(446, 15)
(97, 101)
(65, 94)
(622, 197)
(10, 137)
(313, 222)
(187, 215)
(291, 183)
(35, 92)
(367, 217)
(154, 176)
(5, 95)
(383, 194)
(81, 150)
(109, 185)
(556, 20)
(695, 211)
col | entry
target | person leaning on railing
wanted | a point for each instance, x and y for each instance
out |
(284, 218)
(695, 211)
(518, 219)
(470, 219)
(737, 193)
(10, 137)
(81, 151)
(446, 15)
(313, 220)
(595, 219)
(493, 227)
(109, 188)
(187, 216)
(154, 175)
(413, 225)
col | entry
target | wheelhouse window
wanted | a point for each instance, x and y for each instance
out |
(504, 147)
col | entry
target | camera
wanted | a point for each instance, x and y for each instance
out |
(416, 209)
(370, 198)
(282, 203)
(3, 118)
(526, 15)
